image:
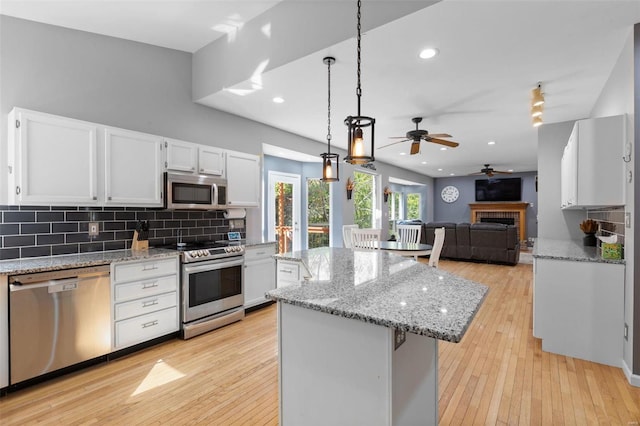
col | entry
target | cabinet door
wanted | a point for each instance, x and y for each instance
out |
(243, 179)
(54, 160)
(211, 161)
(288, 273)
(4, 332)
(259, 277)
(133, 168)
(181, 156)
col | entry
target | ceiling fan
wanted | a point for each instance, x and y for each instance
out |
(417, 135)
(490, 171)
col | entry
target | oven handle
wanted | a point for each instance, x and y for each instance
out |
(208, 266)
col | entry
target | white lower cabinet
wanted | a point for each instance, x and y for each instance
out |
(578, 309)
(259, 274)
(145, 300)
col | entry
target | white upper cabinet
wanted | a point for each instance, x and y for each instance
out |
(243, 179)
(181, 156)
(211, 160)
(52, 160)
(592, 166)
(133, 168)
(193, 158)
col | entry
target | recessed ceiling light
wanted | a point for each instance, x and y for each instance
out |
(428, 53)
(278, 100)
(403, 153)
(452, 174)
(510, 170)
(424, 162)
(439, 170)
(444, 148)
(491, 143)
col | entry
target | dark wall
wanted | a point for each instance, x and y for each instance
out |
(459, 210)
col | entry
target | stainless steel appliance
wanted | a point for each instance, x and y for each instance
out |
(212, 286)
(58, 319)
(185, 191)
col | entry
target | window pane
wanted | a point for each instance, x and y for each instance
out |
(413, 206)
(318, 213)
(363, 199)
(284, 216)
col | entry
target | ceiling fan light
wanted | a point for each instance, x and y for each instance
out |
(536, 111)
(537, 121)
(429, 53)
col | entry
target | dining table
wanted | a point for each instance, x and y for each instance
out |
(405, 249)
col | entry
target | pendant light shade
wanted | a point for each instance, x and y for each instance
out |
(330, 172)
(537, 121)
(359, 126)
(536, 111)
(537, 98)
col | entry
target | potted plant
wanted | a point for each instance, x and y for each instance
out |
(589, 227)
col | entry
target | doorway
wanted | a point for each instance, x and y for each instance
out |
(284, 211)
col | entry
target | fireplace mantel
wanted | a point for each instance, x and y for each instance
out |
(519, 209)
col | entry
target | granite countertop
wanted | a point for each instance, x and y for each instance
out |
(385, 289)
(53, 263)
(545, 248)
(258, 242)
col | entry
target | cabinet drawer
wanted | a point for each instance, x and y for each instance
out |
(146, 327)
(260, 252)
(288, 273)
(145, 288)
(132, 271)
(144, 306)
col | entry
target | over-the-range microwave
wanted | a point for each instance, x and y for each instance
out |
(200, 192)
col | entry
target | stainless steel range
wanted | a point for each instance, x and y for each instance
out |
(212, 286)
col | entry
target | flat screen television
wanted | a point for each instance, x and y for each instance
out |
(508, 189)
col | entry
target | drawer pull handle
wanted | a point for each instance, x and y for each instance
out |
(287, 271)
(150, 285)
(150, 324)
(151, 268)
(149, 303)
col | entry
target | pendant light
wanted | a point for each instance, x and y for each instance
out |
(330, 172)
(537, 98)
(356, 153)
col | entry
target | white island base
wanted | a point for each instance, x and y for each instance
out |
(339, 371)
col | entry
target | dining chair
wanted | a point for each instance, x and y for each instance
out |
(438, 242)
(346, 235)
(409, 233)
(365, 238)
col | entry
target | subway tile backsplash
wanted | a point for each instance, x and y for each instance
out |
(611, 221)
(34, 231)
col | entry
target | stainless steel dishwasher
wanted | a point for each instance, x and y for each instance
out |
(57, 319)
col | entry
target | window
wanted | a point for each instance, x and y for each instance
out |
(395, 211)
(317, 213)
(364, 199)
(413, 206)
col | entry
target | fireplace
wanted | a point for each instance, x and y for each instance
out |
(502, 220)
(514, 213)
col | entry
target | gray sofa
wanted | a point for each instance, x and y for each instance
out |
(483, 242)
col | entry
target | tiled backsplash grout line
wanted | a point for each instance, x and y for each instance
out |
(34, 231)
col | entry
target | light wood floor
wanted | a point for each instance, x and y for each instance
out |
(496, 375)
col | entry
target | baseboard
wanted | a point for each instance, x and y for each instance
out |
(634, 379)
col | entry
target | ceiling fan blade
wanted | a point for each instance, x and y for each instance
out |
(489, 174)
(475, 174)
(415, 147)
(451, 144)
(397, 137)
(501, 172)
(393, 143)
(440, 135)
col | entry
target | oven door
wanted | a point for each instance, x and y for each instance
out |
(211, 287)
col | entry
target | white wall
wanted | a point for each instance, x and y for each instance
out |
(553, 222)
(617, 98)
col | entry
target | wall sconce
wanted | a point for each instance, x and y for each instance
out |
(386, 193)
(350, 186)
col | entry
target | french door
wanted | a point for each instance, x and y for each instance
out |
(284, 211)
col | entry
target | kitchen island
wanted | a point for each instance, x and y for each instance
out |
(358, 338)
